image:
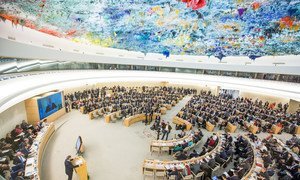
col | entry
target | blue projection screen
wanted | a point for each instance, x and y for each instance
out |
(49, 105)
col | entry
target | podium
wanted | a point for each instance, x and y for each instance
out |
(81, 170)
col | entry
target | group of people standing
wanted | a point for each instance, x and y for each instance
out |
(161, 127)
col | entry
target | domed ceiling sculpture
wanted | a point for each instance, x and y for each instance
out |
(190, 27)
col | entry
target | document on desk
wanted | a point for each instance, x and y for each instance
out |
(78, 162)
(29, 161)
(5, 151)
(29, 170)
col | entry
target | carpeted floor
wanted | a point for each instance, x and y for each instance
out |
(113, 151)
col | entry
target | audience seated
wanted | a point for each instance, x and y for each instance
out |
(132, 101)
(193, 154)
(182, 134)
(243, 112)
(181, 156)
(287, 162)
(15, 148)
(174, 173)
(218, 110)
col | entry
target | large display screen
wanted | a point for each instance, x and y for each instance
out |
(78, 144)
(49, 105)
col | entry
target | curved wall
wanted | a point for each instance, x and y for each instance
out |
(11, 117)
(16, 90)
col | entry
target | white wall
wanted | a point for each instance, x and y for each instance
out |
(11, 117)
(15, 90)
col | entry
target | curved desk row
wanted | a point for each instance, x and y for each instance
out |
(295, 156)
(209, 126)
(251, 127)
(254, 170)
(297, 130)
(179, 121)
(161, 144)
(158, 165)
(230, 128)
(168, 106)
(163, 110)
(34, 163)
(136, 118)
(276, 129)
(113, 116)
(96, 113)
(101, 112)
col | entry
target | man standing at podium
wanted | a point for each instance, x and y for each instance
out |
(69, 167)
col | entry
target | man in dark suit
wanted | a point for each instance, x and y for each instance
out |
(195, 168)
(158, 132)
(182, 156)
(229, 152)
(194, 154)
(207, 170)
(69, 167)
(219, 159)
(19, 158)
(267, 159)
(151, 116)
(174, 172)
(146, 119)
(234, 177)
(166, 131)
(212, 163)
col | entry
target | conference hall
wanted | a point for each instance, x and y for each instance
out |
(150, 90)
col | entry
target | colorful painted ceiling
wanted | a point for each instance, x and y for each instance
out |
(219, 28)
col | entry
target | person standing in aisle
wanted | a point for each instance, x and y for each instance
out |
(166, 131)
(158, 132)
(146, 119)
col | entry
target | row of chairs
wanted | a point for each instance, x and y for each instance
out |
(115, 116)
(200, 175)
(162, 149)
(162, 174)
(98, 113)
(159, 150)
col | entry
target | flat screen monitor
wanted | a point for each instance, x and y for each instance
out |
(49, 105)
(78, 144)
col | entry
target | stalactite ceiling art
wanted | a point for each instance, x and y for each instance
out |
(209, 27)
